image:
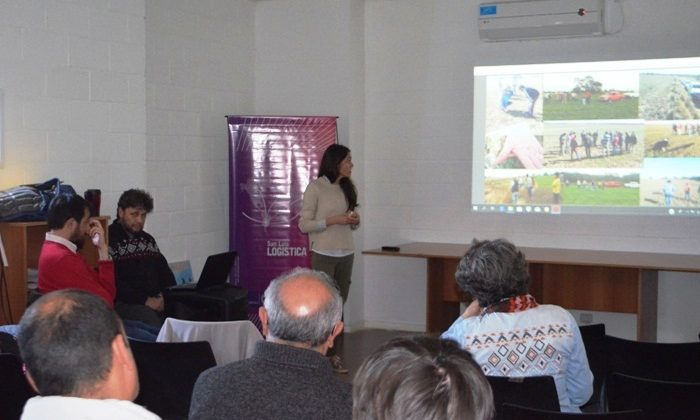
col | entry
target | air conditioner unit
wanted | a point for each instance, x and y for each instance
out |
(534, 19)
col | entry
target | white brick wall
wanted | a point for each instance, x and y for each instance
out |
(197, 71)
(72, 73)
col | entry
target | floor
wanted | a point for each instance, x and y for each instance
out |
(356, 346)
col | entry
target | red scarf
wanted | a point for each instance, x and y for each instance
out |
(511, 304)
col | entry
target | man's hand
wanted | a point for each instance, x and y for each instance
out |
(95, 228)
(156, 303)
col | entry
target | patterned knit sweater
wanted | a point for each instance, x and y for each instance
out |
(141, 270)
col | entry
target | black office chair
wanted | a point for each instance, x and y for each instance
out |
(8, 344)
(518, 412)
(658, 399)
(661, 361)
(14, 388)
(594, 340)
(532, 391)
(167, 374)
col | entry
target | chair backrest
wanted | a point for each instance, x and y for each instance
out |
(531, 391)
(8, 344)
(167, 374)
(660, 361)
(14, 388)
(518, 412)
(230, 341)
(658, 399)
(593, 337)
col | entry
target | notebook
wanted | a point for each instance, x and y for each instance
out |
(215, 272)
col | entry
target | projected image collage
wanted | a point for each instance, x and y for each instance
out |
(610, 139)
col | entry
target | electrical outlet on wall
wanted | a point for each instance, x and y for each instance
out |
(586, 317)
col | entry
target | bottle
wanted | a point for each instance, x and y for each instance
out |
(96, 239)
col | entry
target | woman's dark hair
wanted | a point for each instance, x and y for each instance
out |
(492, 270)
(329, 168)
(424, 378)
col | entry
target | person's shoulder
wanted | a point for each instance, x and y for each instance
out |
(55, 251)
(148, 236)
(210, 378)
(555, 311)
(116, 232)
(217, 374)
(319, 182)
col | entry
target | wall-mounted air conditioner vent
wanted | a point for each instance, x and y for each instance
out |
(533, 19)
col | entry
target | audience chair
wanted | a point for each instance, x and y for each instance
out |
(518, 412)
(8, 344)
(594, 340)
(658, 399)
(167, 374)
(14, 388)
(660, 361)
(230, 341)
(532, 391)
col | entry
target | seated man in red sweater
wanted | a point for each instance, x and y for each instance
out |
(60, 265)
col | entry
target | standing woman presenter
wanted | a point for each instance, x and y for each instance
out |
(328, 216)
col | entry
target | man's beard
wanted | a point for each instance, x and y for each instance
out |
(129, 230)
(78, 239)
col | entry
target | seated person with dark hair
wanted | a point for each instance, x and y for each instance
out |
(78, 359)
(421, 377)
(142, 272)
(61, 267)
(509, 334)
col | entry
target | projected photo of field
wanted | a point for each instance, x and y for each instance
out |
(512, 100)
(502, 189)
(672, 139)
(618, 188)
(678, 187)
(594, 144)
(669, 96)
(591, 96)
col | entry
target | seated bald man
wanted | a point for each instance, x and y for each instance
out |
(288, 376)
(78, 360)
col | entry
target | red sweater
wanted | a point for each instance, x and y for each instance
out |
(61, 268)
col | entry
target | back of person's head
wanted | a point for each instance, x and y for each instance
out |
(421, 377)
(492, 270)
(325, 307)
(65, 207)
(65, 340)
(136, 198)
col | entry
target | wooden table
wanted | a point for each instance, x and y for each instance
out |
(22, 241)
(608, 281)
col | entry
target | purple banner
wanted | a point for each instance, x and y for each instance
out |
(272, 160)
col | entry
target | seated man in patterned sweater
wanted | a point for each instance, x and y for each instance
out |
(142, 272)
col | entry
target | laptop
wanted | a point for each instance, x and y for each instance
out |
(215, 273)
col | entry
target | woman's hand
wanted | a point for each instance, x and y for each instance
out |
(354, 218)
(350, 218)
